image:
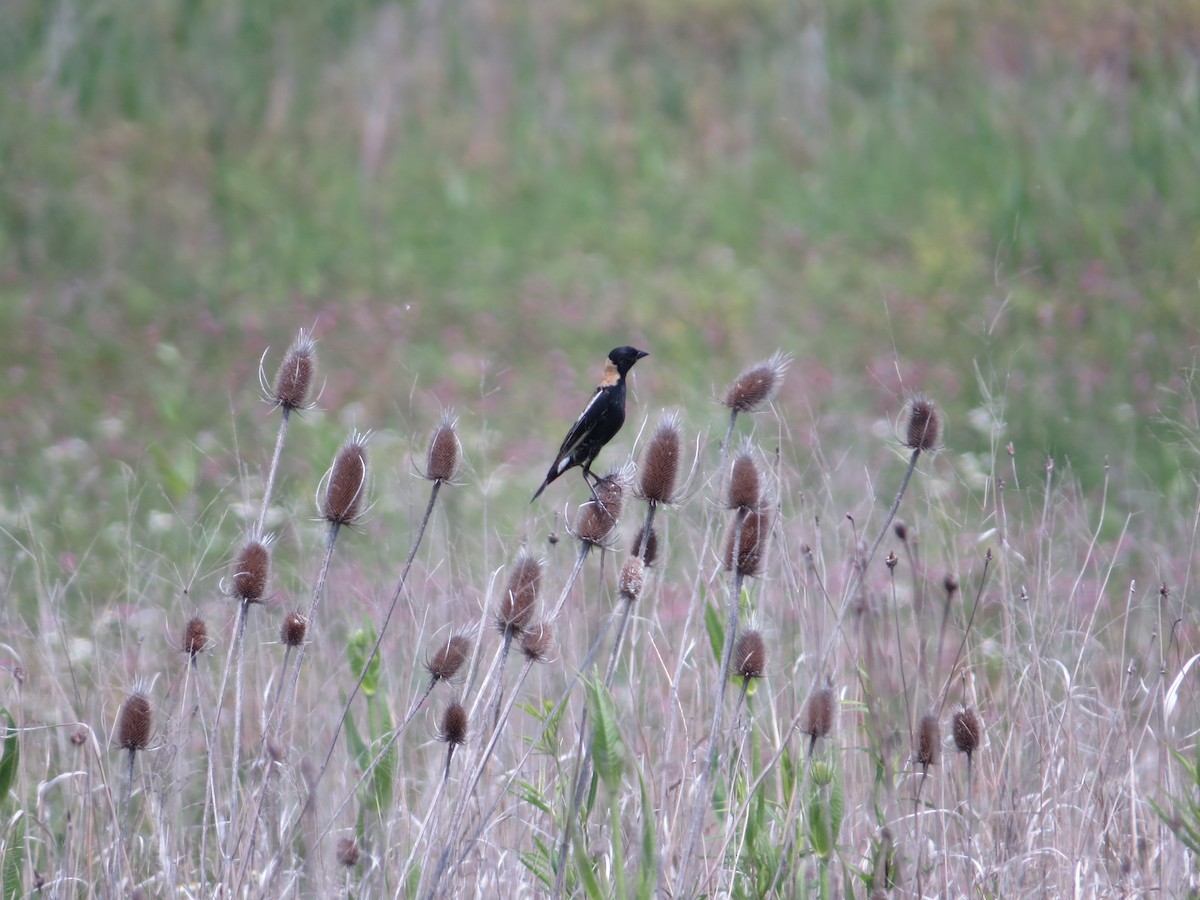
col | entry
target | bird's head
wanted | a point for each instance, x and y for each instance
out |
(624, 358)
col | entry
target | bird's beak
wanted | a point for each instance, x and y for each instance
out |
(642, 353)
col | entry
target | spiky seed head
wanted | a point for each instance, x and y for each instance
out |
(747, 539)
(757, 385)
(519, 601)
(922, 424)
(454, 725)
(293, 629)
(250, 570)
(660, 470)
(632, 579)
(950, 583)
(79, 737)
(295, 377)
(134, 722)
(968, 730)
(745, 482)
(449, 657)
(819, 713)
(441, 462)
(929, 740)
(901, 530)
(597, 518)
(645, 547)
(538, 642)
(195, 637)
(347, 486)
(347, 852)
(750, 655)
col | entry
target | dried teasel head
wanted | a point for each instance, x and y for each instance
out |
(293, 629)
(745, 480)
(597, 518)
(195, 637)
(134, 722)
(929, 740)
(251, 569)
(967, 729)
(819, 715)
(348, 853)
(632, 579)
(454, 725)
(445, 661)
(921, 427)
(746, 543)
(445, 452)
(645, 547)
(660, 465)
(346, 485)
(518, 603)
(749, 655)
(538, 643)
(757, 386)
(293, 382)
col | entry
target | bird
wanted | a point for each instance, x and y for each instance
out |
(599, 422)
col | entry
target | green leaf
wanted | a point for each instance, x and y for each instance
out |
(360, 644)
(355, 743)
(716, 630)
(587, 872)
(647, 881)
(13, 861)
(12, 754)
(608, 750)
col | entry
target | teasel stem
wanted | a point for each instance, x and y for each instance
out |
(280, 439)
(453, 733)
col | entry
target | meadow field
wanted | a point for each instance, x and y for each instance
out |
(297, 300)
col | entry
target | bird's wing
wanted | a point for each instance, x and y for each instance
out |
(592, 416)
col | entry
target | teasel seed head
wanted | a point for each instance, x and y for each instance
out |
(448, 658)
(347, 852)
(968, 730)
(922, 424)
(819, 714)
(745, 482)
(293, 630)
(757, 385)
(346, 487)
(134, 722)
(950, 583)
(645, 547)
(454, 725)
(750, 655)
(660, 468)
(597, 518)
(747, 538)
(445, 452)
(518, 603)
(929, 740)
(293, 382)
(195, 637)
(538, 642)
(901, 530)
(79, 737)
(632, 579)
(251, 569)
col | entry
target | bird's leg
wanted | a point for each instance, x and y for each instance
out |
(591, 480)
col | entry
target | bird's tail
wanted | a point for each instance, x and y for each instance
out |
(539, 490)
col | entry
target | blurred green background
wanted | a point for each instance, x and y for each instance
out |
(471, 201)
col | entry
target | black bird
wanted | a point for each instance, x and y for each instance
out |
(599, 422)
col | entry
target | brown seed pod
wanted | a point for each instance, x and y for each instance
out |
(134, 722)
(293, 629)
(757, 386)
(442, 459)
(646, 548)
(537, 643)
(968, 730)
(449, 657)
(745, 482)
(660, 467)
(347, 852)
(819, 713)
(749, 655)
(195, 637)
(632, 579)
(929, 740)
(518, 603)
(922, 424)
(250, 570)
(597, 518)
(347, 485)
(454, 725)
(295, 377)
(747, 538)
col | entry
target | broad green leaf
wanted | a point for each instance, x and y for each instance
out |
(608, 750)
(647, 881)
(583, 863)
(716, 630)
(359, 646)
(13, 861)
